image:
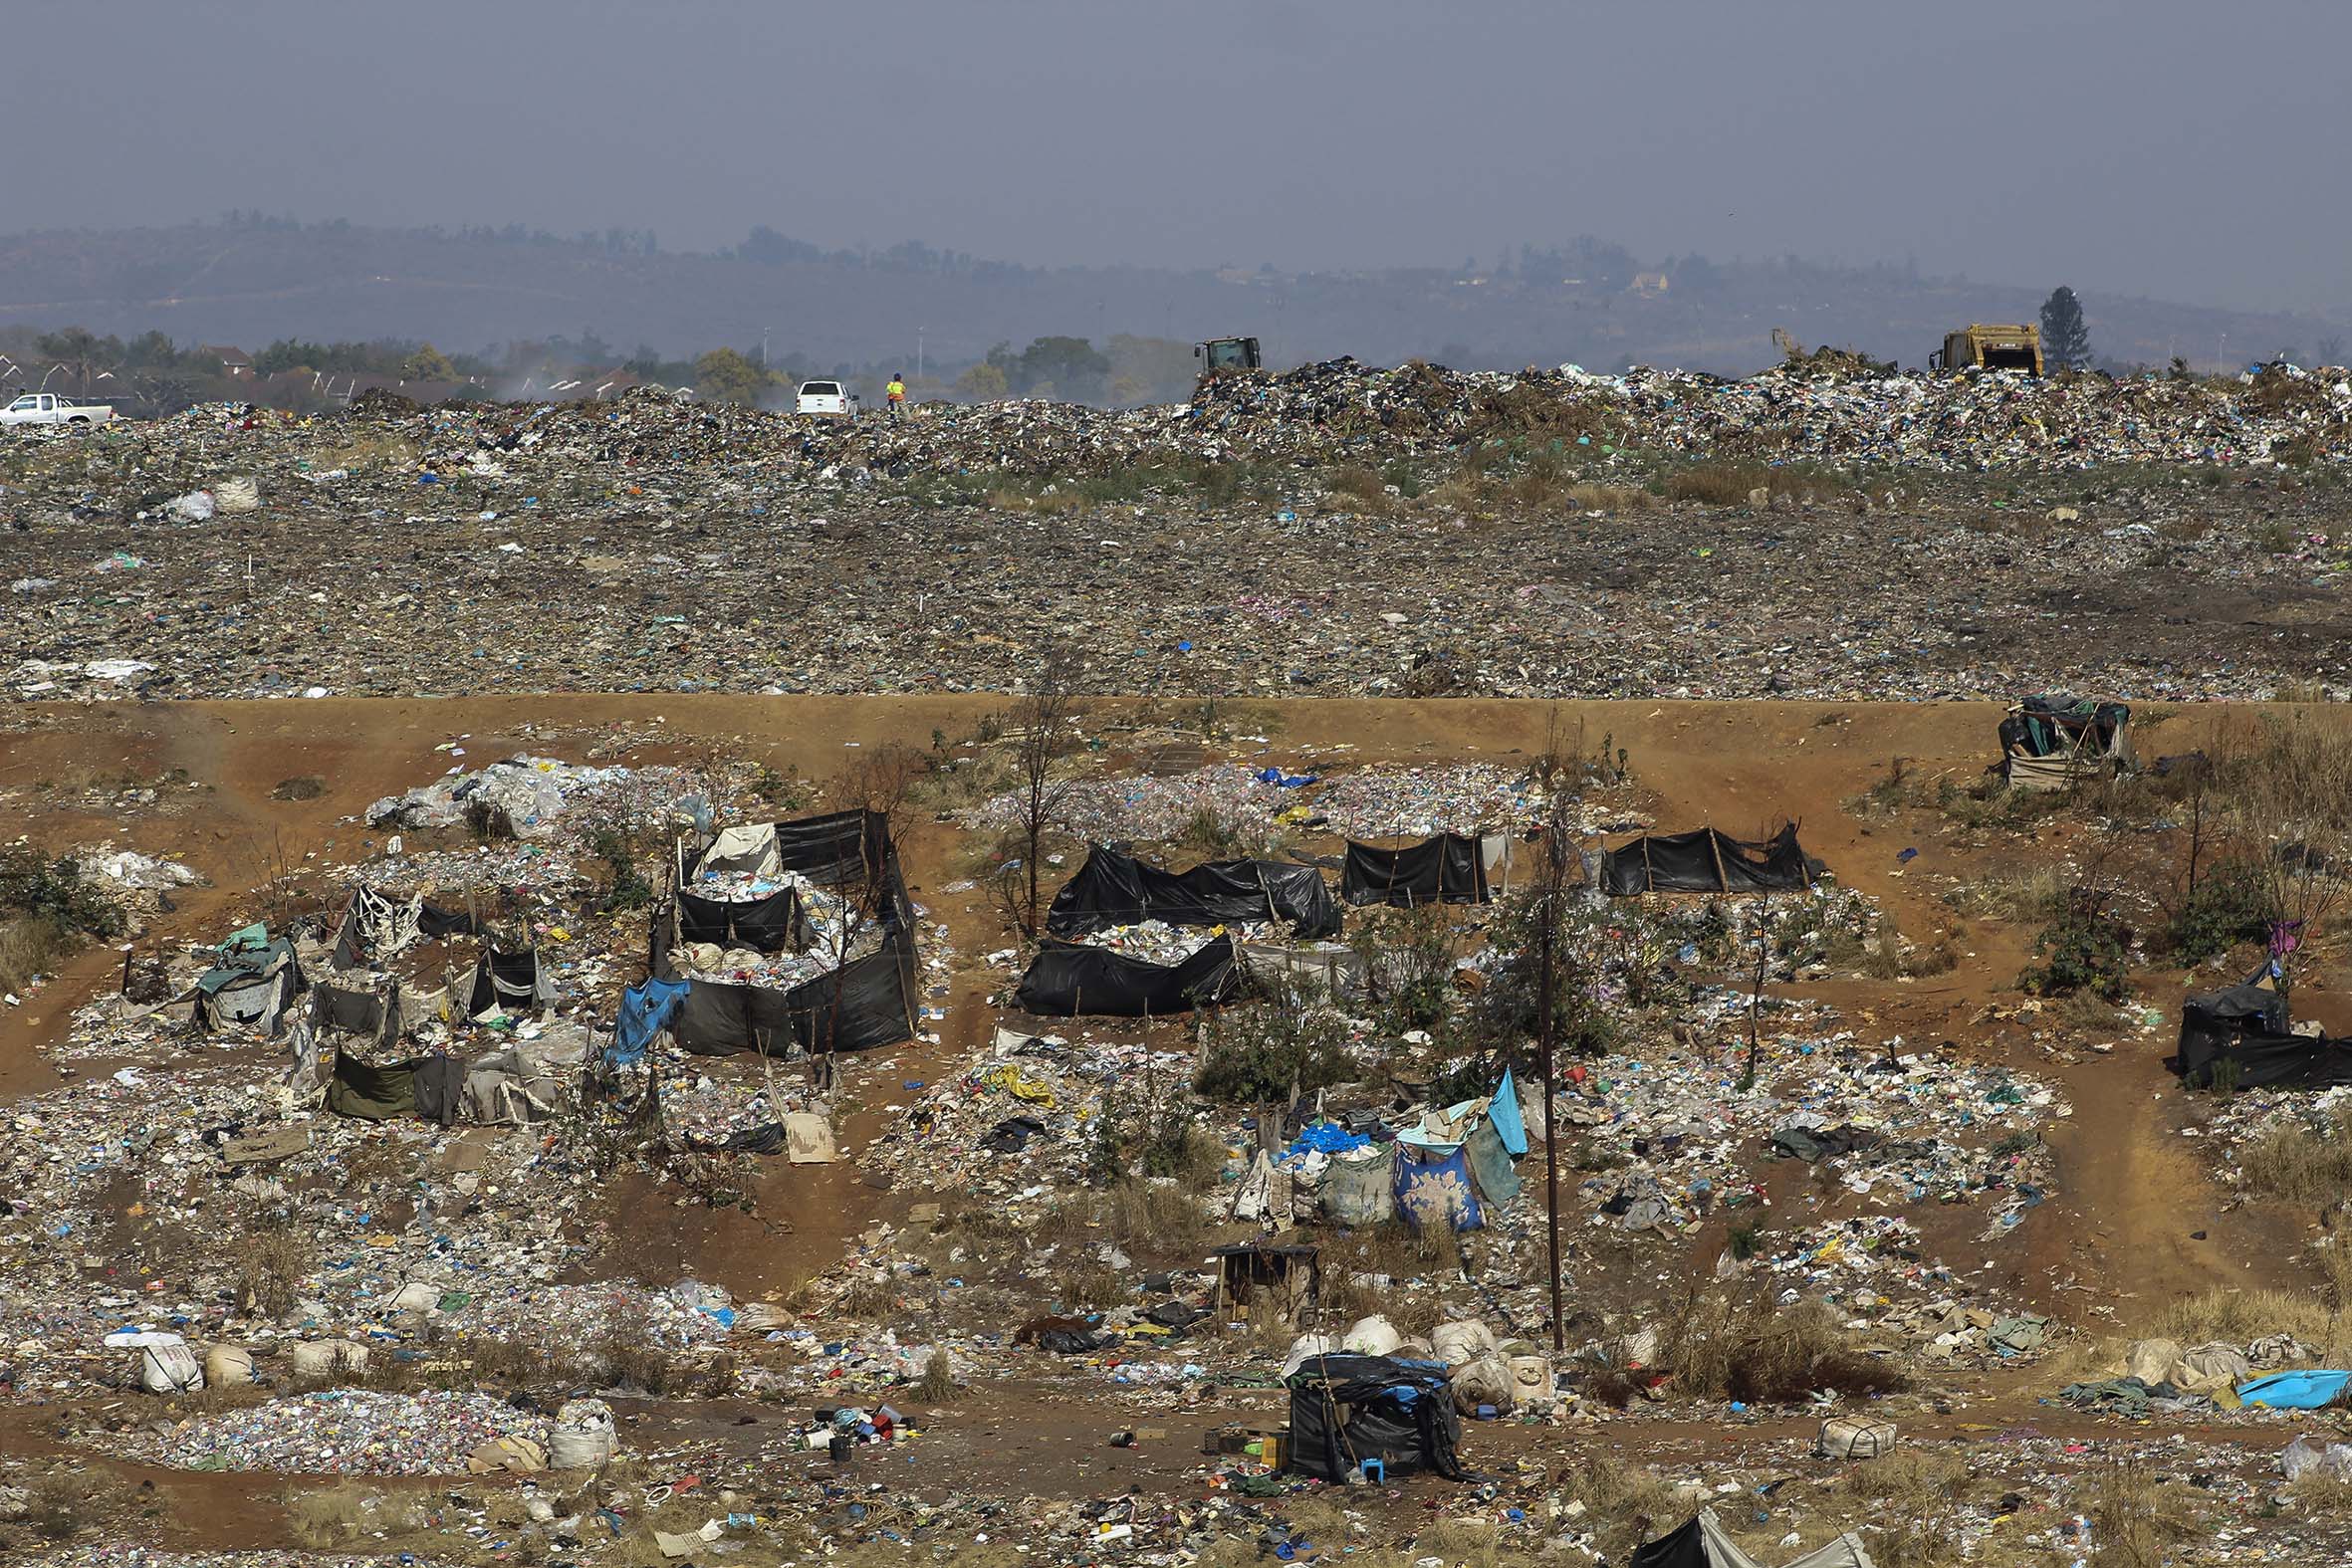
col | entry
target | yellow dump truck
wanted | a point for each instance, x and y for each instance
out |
(1990, 348)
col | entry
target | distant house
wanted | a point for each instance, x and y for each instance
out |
(233, 362)
(1647, 283)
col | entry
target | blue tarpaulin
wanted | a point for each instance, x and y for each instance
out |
(1503, 1113)
(1436, 1191)
(2295, 1390)
(646, 1009)
(1324, 1138)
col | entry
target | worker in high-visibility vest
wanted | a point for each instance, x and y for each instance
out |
(896, 392)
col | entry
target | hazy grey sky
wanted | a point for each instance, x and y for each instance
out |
(2182, 149)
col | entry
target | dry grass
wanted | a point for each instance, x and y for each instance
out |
(629, 1356)
(2135, 1520)
(1624, 1503)
(2239, 1317)
(1613, 498)
(2035, 894)
(2295, 1162)
(1363, 485)
(57, 1505)
(1155, 1215)
(1730, 484)
(870, 1298)
(1086, 1283)
(939, 1379)
(1458, 1541)
(1047, 503)
(341, 1517)
(2321, 1496)
(1762, 1354)
(272, 1263)
(1915, 1490)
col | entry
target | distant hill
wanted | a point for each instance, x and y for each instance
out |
(247, 284)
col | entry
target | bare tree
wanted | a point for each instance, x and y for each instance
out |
(2290, 809)
(1045, 728)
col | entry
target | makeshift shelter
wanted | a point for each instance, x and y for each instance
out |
(2240, 1037)
(867, 1001)
(375, 927)
(2054, 742)
(1448, 869)
(1708, 861)
(1261, 1277)
(1113, 889)
(1703, 1543)
(253, 981)
(1075, 979)
(1346, 1409)
(381, 1019)
(532, 1080)
(508, 982)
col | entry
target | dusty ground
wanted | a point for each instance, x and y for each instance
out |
(2119, 1236)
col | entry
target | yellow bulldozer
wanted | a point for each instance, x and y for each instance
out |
(1990, 348)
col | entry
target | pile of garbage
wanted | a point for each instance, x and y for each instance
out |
(350, 1432)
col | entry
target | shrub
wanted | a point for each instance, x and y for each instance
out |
(1762, 1354)
(272, 1260)
(2083, 948)
(1260, 1051)
(2229, 905)
(625, 886)
(1408, 962)
(1138, 1136)
(56, 891)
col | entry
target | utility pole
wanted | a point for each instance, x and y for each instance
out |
(918, 354)
(1551, 891)
(1545, 921)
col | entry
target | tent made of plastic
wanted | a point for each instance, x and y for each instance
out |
(378, 926)
(866, 1002)
(1703, 1543)
(2053, 741)
(253, 981)
(1450, 868)
(2240, 1037)
(838, 849)
(1706, 861)
(1077, 980)
(1348, 1408)
(1115, 889)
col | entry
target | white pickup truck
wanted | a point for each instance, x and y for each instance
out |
(46, 408)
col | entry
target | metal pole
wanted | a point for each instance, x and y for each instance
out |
(1543, 1036)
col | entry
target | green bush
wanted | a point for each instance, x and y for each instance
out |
(2084, 949)
(2228, 906)
(1258, 1051)
(56, 894)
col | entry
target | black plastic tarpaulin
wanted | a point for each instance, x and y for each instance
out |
(1706, 861)
(2241, 1035)
(1115, 889)
(1447, 869)
(866, 1002)
(508, 981)
(1073, 980)
(765, 925)
(1348, 1408)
